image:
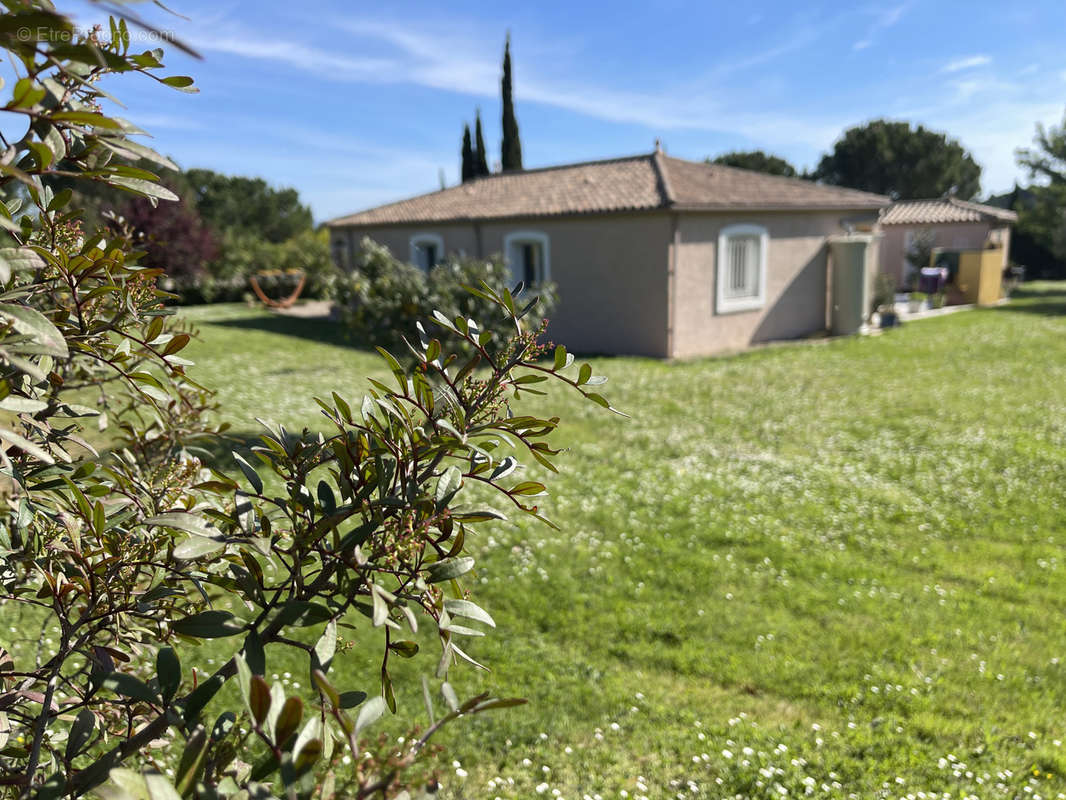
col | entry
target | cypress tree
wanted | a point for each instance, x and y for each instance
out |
(511, 155)
(466, 171)
(481, 163)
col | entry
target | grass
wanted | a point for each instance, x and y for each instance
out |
(833, 569)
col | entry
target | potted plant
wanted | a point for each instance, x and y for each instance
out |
(884, 300)
(916, 301)
(936, 300)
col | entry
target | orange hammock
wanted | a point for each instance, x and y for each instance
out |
(284, 302)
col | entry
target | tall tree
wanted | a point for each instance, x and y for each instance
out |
(903, 162)
(758, 161)
(511, 149)
(251, 205)
(481, 162)
(1042, 208)
(468, 169)
(173, 236)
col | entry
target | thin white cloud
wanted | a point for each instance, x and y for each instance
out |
(884, 18)
(969, 62)
(991, 117)
(294, 54)
(464, 68)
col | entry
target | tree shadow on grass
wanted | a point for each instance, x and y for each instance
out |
(1048, 301)
(317, 329)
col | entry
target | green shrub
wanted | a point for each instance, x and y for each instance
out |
(884, 294)
(129, 560)
(383, 298)
(276, 266)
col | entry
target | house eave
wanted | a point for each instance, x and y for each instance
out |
(470, 220)
(674, 207)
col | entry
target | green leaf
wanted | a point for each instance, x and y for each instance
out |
(129, 686)
(311, 730)
(182, 521)
(450, 698)
(350, 699)
(394, 366)
(62, 198)
(32, 323)
(309, 754)
(584, 374)
(223, 725)
(448, 569)
(560, 357)
(428, 701)
(168, 671)
(208, 625)
(244, 679)
(370, 713)
(448, 484)
(127, 148)
(289, 719)
(528, 489)
(25, 444)
(326, 498)
(387, 692)
(198, 547)
(17, 259)
(326, 646)
(42, 154)
(27, 94)
(249, 473)
(159, 788)
(404, 648)
(81, 730)
(86, 118)
(179, 81)
(192, 760)
(200, 697)
(465, 608)
(479, 515)
(258, 699)
(325, 687)
(381, 607)
(254, 654)
(177, 343)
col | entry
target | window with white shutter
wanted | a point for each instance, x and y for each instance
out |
(740, 278)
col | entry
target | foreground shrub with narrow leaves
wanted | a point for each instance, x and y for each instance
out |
(127, 561)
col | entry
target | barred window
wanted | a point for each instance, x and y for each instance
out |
(741, 273)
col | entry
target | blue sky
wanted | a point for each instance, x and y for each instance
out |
(358, 103)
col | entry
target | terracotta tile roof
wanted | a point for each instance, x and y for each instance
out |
(637, 183)
(943, 210)
(714, 186)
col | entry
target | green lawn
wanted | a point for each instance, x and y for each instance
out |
(832, 568)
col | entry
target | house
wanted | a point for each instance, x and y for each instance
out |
(953, 224)
(652, 255)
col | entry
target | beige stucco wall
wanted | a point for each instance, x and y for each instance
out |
(795, 281)
(611, 271)
(961, 236)
(458, 238)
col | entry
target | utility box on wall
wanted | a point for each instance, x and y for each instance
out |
(853, 265)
